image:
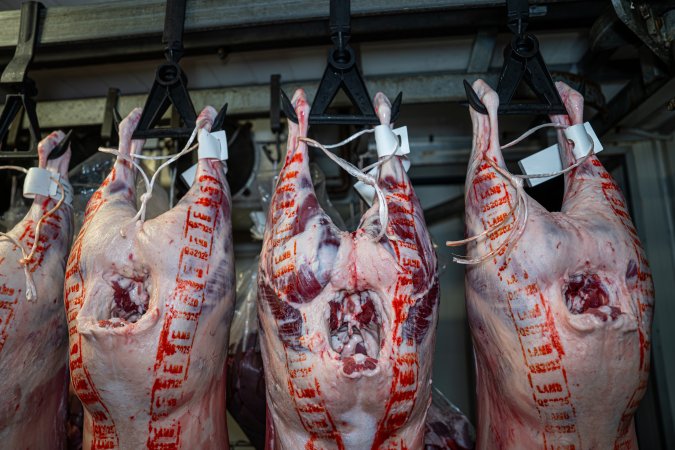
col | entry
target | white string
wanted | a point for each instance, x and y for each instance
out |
(519, 212)
(360, 174)
(31, 290)
(150, 183)
(351, 138)
(530, 132)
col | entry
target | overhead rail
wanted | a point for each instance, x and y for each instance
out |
(129, 30)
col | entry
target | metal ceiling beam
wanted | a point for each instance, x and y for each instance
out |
(126, 30)
(654, 110)
(636, 102)
(255, 100)
(482, 50)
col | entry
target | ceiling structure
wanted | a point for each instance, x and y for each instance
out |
(86, 46)
(424, 49)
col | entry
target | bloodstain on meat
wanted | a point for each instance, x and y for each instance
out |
(122, 298)
(631, 270)
(367, 313)
(308, 209)
(420, 315)
(290, 327)
(304, 287)
(585, 291)
(335, 307)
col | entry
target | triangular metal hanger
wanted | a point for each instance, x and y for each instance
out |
(22, 89)
(170, 85)
(522, 62)
(341, 73)
(111, 117)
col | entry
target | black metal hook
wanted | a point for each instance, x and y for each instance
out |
(522, 62)
(473, 99)
(111, 116)
(219, 121)
(343, 73)
(170, 85)
(15, 80)
(174, 25)
(61, 147)
(275, 116)
(275, 103)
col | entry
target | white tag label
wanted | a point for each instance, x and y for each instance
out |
(548, 160)
(402, 133)
(366, 191)
(211, 146)
(43, 182)
(387, 141)
(258, 228)
(189, 175)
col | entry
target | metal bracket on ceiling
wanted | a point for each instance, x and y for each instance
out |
(522, 62)
(22, 89)
(111, 116)
(170, 85)
(343, 73)
(652, 22)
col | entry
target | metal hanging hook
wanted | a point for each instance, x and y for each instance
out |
(343, 73)
(170, 85)
(15, 80)
(522, 62)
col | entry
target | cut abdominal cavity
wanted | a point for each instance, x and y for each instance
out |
(129, 296)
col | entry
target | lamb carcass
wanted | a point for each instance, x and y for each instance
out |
(561, 317)
(347, 322)
(149, 308)
(33, 336)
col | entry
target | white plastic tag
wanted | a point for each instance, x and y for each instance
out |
(43, 182)
(402, 133)
(548, 160)
(188, 176)
(582, 140)
(387, 141)
(366, 191)
(211, 146)
(258, 229)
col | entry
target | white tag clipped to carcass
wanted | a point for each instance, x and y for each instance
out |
(582, 140)
(548, 160)
(43, 182)
(388, 141)
(211, 146)
(258, 228)
(366, 191)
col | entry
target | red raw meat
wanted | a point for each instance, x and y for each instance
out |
(149, 311)
(33, 333)
(347, 322)
(561, 319)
